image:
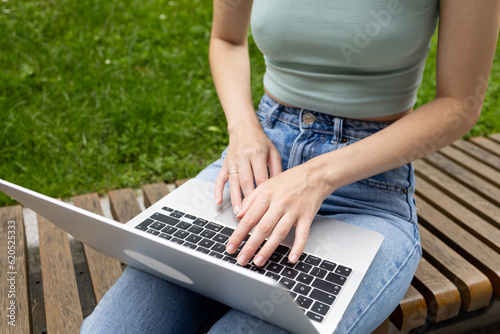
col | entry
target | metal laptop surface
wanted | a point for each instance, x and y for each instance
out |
(235, 286)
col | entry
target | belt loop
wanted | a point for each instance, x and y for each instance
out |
(338, 123)
(270, 113)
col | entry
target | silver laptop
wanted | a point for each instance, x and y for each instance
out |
(182, 237)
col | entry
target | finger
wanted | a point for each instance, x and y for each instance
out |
(235, 190)
(274, 162)
(245, 226)
(259, 168)
(220, 182)
(246, 178)
(301, 235)
(278, 234)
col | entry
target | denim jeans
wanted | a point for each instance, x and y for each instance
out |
(142, 303)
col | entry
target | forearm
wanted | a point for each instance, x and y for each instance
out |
(230, 66)
(420, 133)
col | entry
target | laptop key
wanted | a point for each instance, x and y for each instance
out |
(207, 234)
(318, 272)
(258, 270)
(166, 208)
(315, 261)
(220, 238)
(164, 219)
(177, 214)
(275, 257)
(304, 301)
(193, 238)
(304, 267)
(282, 250)
(227, 231)
(181, 234)
(326, 286)
(272, 275)
(288, 283)
(219, 248)
(189, 217)
(165, 236)
(337, 279)
(320, 308)
(177, 241)
(289, 272)
(327, 265)
(287, 263)
(169, 229)
(202, 249)
(155, 232)
(314, 316)
(302, 289)
(214, 227)
(195, 229)
(157, 226)
(206, 243)
(345, 271)
(229, 259)
(200, 222)
(217, 255)
(144, 225)
(323, 297)
(304, 278)
(183, 225)
(190, 245)
(275, 268)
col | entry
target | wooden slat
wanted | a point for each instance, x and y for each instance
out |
(495, 137)
(487, 144)
(491, 175)
(62, 302)
(467, 178)
(14, 298)
(487, 233)
(154, 192)
(442, 297)
(179, 183)
(383, 328)
(475, 288)
(411, 311)
(104, 271)
(124, 205)
(478, 153)
(479, 205)
(464, 243)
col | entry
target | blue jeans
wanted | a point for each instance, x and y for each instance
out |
(142, 303)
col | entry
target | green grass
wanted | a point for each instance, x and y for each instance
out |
(96, 95)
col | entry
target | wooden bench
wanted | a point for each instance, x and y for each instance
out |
(456, 288)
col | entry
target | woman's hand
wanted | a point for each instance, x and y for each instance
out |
(250, 156)
(292, 198)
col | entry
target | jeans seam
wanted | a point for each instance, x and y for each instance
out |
(369, 306)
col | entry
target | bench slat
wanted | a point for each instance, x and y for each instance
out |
(479, 205)
(491, 175)
(179, 183)
(441, 296)
(104, 271)
(486, 143)
(467, 178)
(124, 205)
(475, 288)
(495, 137)
(62, 302)
(478, 153)
(411, 312)
(154, 192)
(464, 243)
(14, 297)
(487, 233)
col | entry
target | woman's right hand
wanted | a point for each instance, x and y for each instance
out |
(251, 156)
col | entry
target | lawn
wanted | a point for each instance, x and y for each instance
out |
(97, 95)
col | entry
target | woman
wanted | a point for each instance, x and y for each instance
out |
(335, 133)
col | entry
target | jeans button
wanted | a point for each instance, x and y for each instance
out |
(308, 118)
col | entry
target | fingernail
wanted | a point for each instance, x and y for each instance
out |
(242, 260)
(217, 199)
(293, 258)
(259, 260)
(236, 209)
(231, 248)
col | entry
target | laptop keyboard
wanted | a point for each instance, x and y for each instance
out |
(313, 282)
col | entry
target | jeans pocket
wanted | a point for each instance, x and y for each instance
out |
(395, 180)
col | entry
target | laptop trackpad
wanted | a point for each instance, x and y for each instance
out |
(227, 217)
(158, 266)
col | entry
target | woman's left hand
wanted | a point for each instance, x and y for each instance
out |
(291, 198)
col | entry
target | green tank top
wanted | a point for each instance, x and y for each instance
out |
(347, 58)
